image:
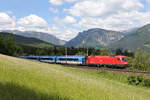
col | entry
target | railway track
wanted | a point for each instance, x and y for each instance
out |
(129, 71)
(147, 73)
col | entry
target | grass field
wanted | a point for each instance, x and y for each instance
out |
(31, 80)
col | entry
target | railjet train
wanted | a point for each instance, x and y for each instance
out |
(118, 61)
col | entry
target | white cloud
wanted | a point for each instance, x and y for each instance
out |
(58, 21)
(109, 14)
(69, 20)
(121, 21)
(53, 10)
(33, 21)
(96, 8)
(66, 20)
(71, 0)
(148, 1)
(69, 33)
(60, 2)
(64, 33)
(56, 2)
(6, 22)
(9, 12)
(36, 23)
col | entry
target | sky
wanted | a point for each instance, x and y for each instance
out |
(66, 18)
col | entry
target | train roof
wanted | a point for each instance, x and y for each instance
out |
(108, 56)
(47, 56)
(70, 56)
(29, 56)
(120, 56)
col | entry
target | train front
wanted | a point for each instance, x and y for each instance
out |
(122, 61)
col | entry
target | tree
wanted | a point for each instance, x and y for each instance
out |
(81, 53)
(128, 53)
(8, 45)
(106, 52)
(141, 60)
(119, 52)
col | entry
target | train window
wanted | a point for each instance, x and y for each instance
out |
(118, 59)
(68, 59)
(72, 59)
(32, 58)
(46, 58)
(124, 59)
(62, 59)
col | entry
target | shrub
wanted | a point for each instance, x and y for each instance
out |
(141, 60)
(135, 80)
(131, 80)
(147, 82)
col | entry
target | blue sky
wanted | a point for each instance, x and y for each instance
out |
(65, 18)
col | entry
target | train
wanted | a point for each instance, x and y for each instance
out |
(116, 61)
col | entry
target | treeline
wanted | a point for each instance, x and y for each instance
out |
(58, 51)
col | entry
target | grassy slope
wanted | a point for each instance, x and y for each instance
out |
(30, 80)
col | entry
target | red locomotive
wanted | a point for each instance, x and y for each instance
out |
(120, 61)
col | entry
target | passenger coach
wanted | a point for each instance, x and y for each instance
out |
(31, 57)
(48, 59)
(70, 60)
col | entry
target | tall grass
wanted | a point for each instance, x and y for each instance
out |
(12, 91)
(30, 80)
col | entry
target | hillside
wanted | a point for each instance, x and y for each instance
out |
(138, 39)
(39, 35)
(25, 41)
(96, 38)
(31, 80)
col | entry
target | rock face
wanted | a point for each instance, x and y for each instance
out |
(95, 38)
(138, 39)
(39, 35)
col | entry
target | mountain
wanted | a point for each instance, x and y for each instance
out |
(138, 39)
(39, 35)
(130, 31)
(25, 41)
(95, 38)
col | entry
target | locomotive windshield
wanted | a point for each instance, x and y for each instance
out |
(124, 59)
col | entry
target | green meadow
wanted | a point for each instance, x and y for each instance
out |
(22, 79)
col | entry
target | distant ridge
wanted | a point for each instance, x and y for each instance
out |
(137, 39)
(39, 35)
(95, 38)
(25, 41)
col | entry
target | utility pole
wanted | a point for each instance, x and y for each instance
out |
(66, 54)
(87, 51)
(84, 46)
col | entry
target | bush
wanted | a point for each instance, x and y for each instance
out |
(141, 60)
(135, 80)
(138, 80)
(147, 82)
